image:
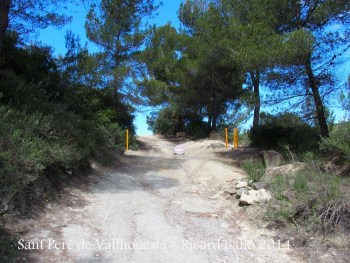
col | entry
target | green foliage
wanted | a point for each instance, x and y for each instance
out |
(164, 123)
(181, 66)
(197, 129)
(119, 29)
(300, 183)
(8, 249)
(320, 199)
(51, 120)
(278, 185)
(254, 169)
(309, 157)
(285, 130)
(339, 142)
(168, 122)
(244, 138)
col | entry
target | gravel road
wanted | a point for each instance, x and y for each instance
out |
(157, 207)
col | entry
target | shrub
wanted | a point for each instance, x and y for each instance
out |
(254, 169)
(163, 123)
(32, 142)
(8, 249)
(300, 183)
(285, 130)
(321, 200)
(197, 129)
(278, 185)
(338, 142)
(51, 124)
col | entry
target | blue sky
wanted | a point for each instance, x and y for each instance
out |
(56, 38)
(167, 13)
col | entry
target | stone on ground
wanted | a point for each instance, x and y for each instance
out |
(241, 184)
(272, 158)
(242, 190)
(260, 185)
(254, 196)
(179, 150)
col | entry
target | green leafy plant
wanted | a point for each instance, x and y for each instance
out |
(320, 202)
(339, 142)
(285, 130)
(255, 170)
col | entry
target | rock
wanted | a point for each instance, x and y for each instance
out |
(180, 134)
(179, 150)
(248, 198)
(241, 191)
(93, 165)
(272, 158)
(241, 184)
(227, 195)
(253, 196)
(264, 195)
(260, 185)
(230, 191)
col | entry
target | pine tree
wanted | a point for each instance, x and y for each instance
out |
(117, 27)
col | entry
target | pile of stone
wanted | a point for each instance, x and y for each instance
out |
(252, 193)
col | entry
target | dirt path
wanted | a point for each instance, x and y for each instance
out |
(157, 207)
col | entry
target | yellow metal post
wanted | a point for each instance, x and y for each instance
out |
(235, 138)
(127, 140)
(226, 135)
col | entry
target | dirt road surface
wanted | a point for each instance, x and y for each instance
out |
(156, 207)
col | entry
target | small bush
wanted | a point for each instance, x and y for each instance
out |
(278, 185)
(52, 121)
(168, 122)
(197, 129)
(285, 130)
(164, 123)
(321, 201)
(254, 169)
(244, 139)
(300, 183)
(8, 249)
(338, 142)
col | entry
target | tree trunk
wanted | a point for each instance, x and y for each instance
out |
(213, 112)
(214, 121)
(255, 77)
(209, 122)
(320, 111)
(4, 20)
(214, 116)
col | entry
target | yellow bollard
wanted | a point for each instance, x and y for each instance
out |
(235, 138)
(127, 140)
(226, 135)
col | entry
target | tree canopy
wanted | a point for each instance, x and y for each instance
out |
(226, 51)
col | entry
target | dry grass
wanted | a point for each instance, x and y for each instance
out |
(321, 200)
